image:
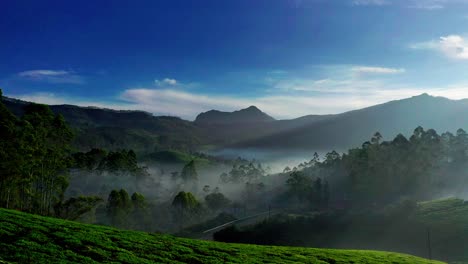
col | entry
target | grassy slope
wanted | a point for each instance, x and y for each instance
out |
(451, 211)
(28, 238)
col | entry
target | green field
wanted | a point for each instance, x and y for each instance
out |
(26, 238)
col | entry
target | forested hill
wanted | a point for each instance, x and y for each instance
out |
(113, 129)
(252, 128)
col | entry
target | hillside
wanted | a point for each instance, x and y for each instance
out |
(29, 238)
(350, 129)
(114, 129)
(450, 211)
(252, 128)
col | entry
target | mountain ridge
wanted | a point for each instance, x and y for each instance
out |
(252, 128)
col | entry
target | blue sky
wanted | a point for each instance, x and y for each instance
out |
(288, 57)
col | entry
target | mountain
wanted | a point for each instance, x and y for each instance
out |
(248, 115)
(115, 129)
(254, 129)
(352, 128)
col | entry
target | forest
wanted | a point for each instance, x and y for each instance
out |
(338, 200)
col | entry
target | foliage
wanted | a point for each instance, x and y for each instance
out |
(118, 208)
(380, 172)
(216, 201)
(35, 157)
(73, 208)
(120, 162)
(140, 216)
(309, 192)
(185, 201)
(243, 172)
(89, 160)
(185, 208)
(26, 238)
(402, 226)
(189, 172)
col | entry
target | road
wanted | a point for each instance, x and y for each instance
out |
(248, 220)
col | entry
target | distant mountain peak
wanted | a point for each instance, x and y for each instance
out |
(252, 107)
(423, 95)
(250, 114)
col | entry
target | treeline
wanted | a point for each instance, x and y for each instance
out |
(35, 160)
(380, 172)
(118, 162)
(136, 212)
(34, 157)
(124, 211)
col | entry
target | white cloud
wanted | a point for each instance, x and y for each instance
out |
(377, 70)
(339, 89)
(54, 99)
(282, 105)
(188, 105)
(166, 82)
(339, 79)
(52, 76)
(452, 46)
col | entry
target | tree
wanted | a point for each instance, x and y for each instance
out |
(139, 216)
(185, 207)
(299, 185)
(118, 208)
(326, 194)
(186, 201)
(10, 159)
(42, 156)
(317, 192)
(376, 138)
(216, 201)
(189, 172)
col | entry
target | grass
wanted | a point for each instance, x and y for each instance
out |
(26, 238)
(450, 211)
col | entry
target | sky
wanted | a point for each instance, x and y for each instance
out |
(287, 57)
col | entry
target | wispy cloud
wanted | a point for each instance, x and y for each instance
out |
(427, 6)
(52, 76)
(452, 46)
(415, 4)
(188, 104)
(166, 82)
(337, 79)
(336, 89)
(376, 70)
(59, 99)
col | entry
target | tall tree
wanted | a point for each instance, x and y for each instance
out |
(189, 172)
(118, 208)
